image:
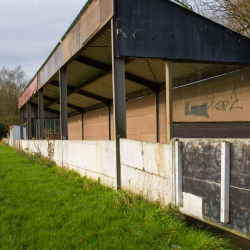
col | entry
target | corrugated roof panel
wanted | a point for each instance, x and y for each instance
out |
(101, 87)
(100, 54)
(56, 78)
(51, 91)
(34, 100)
(196, 71)
(55, 106)
(46, 102)
(133, 87)
(100, 50)
(158, 68)
(78, 73)
(82, 101)
(140, 68)
(104, 39)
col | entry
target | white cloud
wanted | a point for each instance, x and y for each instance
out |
(30, 29)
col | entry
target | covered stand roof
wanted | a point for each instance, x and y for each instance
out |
(146, 33)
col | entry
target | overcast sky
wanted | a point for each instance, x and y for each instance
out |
(30, 29)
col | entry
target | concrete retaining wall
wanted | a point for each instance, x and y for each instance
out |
(146, 167)
(93, 159)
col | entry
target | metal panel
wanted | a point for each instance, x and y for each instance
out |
(79, 73)
(28, 93)
(163, 29)
(44, 74)
(212, 130)
(81, 101)
(102, 87)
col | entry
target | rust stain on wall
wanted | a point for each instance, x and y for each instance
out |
(159, 158)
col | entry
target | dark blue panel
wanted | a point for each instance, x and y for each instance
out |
(162, 29)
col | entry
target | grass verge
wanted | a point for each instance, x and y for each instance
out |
(46, 207)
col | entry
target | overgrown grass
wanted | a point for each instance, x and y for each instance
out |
(45, 207)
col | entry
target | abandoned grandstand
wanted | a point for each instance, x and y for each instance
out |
(153, 97)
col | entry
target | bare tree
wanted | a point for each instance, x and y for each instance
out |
(234, 14)
(12, 84)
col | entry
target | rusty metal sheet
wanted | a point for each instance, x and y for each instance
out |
(28, 93)
(44, 74)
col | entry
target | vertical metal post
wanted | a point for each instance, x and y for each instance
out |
(29, 120)
(82, 127)
(119, 102)
(21, 123)
(63, 103)
(109, 121)
(41, 113)
(225, 181)
(157, 137)
(169, 109)
(178, 174)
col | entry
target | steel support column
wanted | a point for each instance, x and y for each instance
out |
(41, 113)
(169, 109)
(119, 99)
(109, 122)
(21, 123)
(82, 126)
(119, 110)
(157, 137)
(29, 120)
(63, 103)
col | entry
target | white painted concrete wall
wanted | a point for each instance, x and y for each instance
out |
(94, 159)
(147, 169)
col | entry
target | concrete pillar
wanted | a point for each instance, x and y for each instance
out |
(29, 120)
(119, 101)
(21, 123)
(41, 113)
(169, 109)
(63, 103)
(225, 181)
